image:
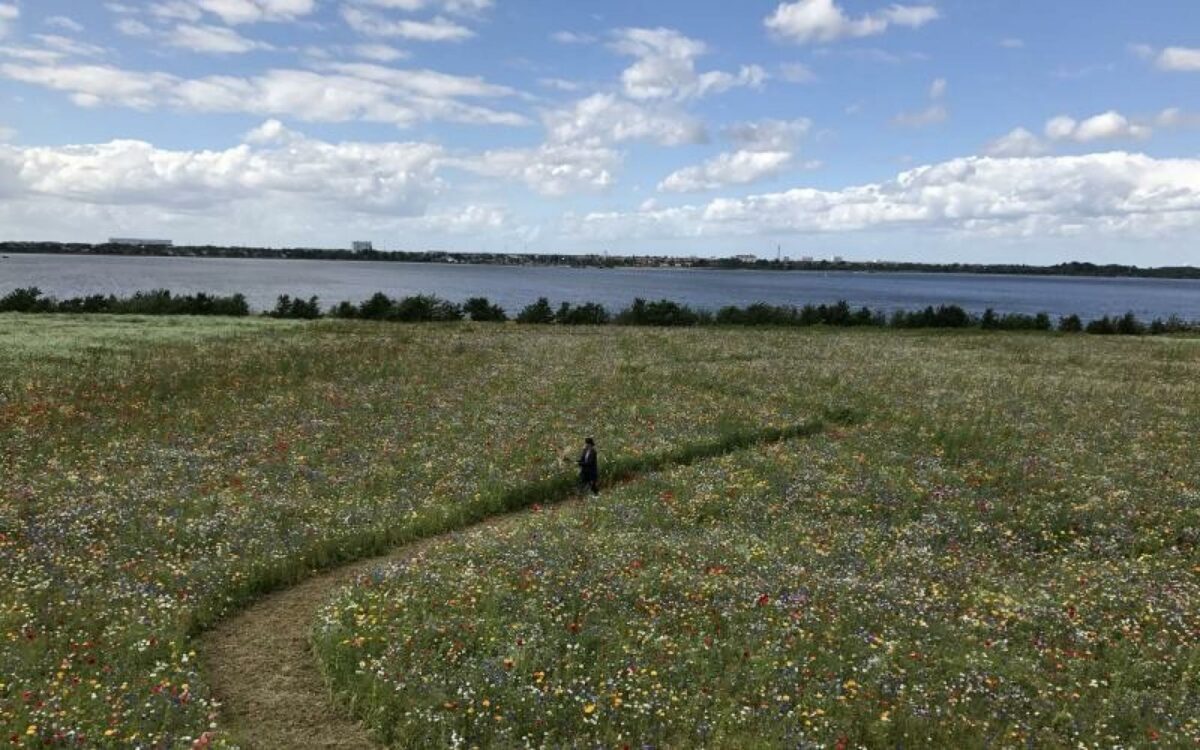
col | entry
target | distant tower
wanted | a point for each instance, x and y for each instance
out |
(779, 253)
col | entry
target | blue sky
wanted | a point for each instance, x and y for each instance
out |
(947, 130)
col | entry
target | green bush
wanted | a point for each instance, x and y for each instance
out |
(481, 310)
(1070, 324)
(538, 313)
(661, 313)
(588, 314)
(288, 307)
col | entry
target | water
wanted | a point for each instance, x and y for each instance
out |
(513, 287)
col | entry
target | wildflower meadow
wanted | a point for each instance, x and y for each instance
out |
(1001, 554)
(967, 538)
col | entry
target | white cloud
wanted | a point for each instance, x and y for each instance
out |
(578, 154)
(731, 168)
(1177, 118)
(571, 37)
(279, 187)
(6, 133)
(64, 23)
(363, 92)
(603, 119)
(429, 83)
(1012, 43)
(1016, 144)
(231, 12)
(218, 40)
(1170, 59)
(768, 135)
(38, 55)
(553, 169)
(1112, 193)
(255, 11)
(807, 21)
(133, 27)
(666, 67)
(766, 149)
(934, 114)
(459, 7)
(379, 52)
(1179, 59)
(8, 13)
(397, 178)
(465, 220)
(436, 30)
(1105, 126)
(797, 73)
(176, 10)
(92, 85)
(70, 47)
(559, 84)
(271, 131)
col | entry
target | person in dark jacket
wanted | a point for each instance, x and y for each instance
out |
(589, 467)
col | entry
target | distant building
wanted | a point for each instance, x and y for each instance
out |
(806, 259)
(363, 247)
(838, 259)
(746, 258)
(135, 242)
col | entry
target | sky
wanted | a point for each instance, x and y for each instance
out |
(967, 131)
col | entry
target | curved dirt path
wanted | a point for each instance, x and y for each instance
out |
(260, 664)
(261, 667)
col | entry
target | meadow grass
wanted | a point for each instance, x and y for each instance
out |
(158, 477)
(1002, 553)
(23, 338)
(151, 489)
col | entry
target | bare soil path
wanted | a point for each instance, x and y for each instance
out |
(262, 669)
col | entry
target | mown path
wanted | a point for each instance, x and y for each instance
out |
(261, 667)
(260, 664)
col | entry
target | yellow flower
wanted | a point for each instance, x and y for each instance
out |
(589, 709)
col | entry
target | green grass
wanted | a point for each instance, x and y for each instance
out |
(23, 337)
(157, 477)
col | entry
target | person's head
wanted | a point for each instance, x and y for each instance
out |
(589, 441)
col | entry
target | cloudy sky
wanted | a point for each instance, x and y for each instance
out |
(947, 130)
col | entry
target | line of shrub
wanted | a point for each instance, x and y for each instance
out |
(431, 309)
(157, 302)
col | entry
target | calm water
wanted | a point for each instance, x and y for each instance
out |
(512, 287)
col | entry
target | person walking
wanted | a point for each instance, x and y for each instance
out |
(589, 467)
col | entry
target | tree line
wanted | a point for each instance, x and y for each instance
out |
(424, 308)
(603, 261)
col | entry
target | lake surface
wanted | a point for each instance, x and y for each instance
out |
(513, 287)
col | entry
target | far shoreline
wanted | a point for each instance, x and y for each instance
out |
(1074, 269)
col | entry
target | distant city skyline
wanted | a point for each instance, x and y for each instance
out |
(939, 131)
